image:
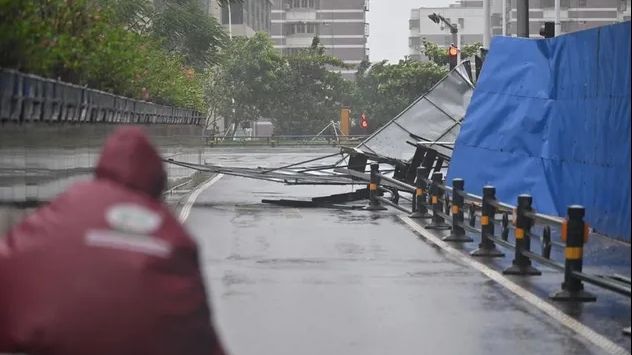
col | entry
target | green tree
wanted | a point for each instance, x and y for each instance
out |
(308, 94)
(132, 14)
(246, 73)
(185, 29)
(85, 42)
(439, 55)
(384, 90)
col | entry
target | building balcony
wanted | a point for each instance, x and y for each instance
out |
(300, 14)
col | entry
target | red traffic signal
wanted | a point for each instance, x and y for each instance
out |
(364, 123)
(453, 53)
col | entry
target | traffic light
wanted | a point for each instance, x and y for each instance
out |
(434, 18)
(453, 55)
(363, 122)
(548, 30)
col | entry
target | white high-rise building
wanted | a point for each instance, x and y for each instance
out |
(575, 15)
(340, 24)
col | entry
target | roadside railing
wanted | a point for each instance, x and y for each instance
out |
(26, 98)
(284, 140)
(452, 208)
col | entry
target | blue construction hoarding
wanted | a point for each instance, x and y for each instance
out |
(552, 118)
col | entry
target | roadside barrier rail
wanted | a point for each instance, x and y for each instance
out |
(284, 140)
(452, 208)
(26, 98)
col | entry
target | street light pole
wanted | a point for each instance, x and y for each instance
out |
(522, 18)
(504, 17)
(332, 37)
(230, 36)
(558, 22)
(487, 14)
(230, 22)
(456, 40)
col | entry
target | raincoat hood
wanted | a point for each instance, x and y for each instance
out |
(129, 158)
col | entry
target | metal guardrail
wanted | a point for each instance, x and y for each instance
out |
(448, 211)
(284, 140)
(26, 98)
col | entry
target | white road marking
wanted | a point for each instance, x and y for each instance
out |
(597, 339)
(186, 209)
(567, 321)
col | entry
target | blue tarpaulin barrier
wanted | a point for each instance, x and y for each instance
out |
(551, 118)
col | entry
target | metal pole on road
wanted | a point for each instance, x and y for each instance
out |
(504, 17)
(522, 19)
(487, 14)
(230, 36)
(558, 22)
(456, 39)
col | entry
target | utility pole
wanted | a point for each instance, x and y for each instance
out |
(487, 14)
(504, 17)
(558, 22)
(230, 37)
(522, 18)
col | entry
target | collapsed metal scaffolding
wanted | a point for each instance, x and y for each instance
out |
(421, 135)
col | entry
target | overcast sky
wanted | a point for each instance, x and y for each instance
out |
(388, 21)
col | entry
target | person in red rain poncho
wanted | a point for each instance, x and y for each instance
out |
(105, 268)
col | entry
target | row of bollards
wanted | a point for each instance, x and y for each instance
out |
(430, 197)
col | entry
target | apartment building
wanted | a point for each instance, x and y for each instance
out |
(467, 15)
(245, 18)
(575, 15)
(340, 24)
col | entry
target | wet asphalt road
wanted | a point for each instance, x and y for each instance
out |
(314, 281)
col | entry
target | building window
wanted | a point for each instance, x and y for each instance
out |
(547, 4)
(301, 27)
(414, 23)
(293, 50)
(302, 4)
(414, 42)
(582, 3)
(237, 14)
(566, 27)
(461, 22)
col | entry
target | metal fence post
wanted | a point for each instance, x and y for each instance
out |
(574, 234)
(421, 195)
(521, 265)
(374, 182)
(458, 217)
(487, 247)
(436, 194)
